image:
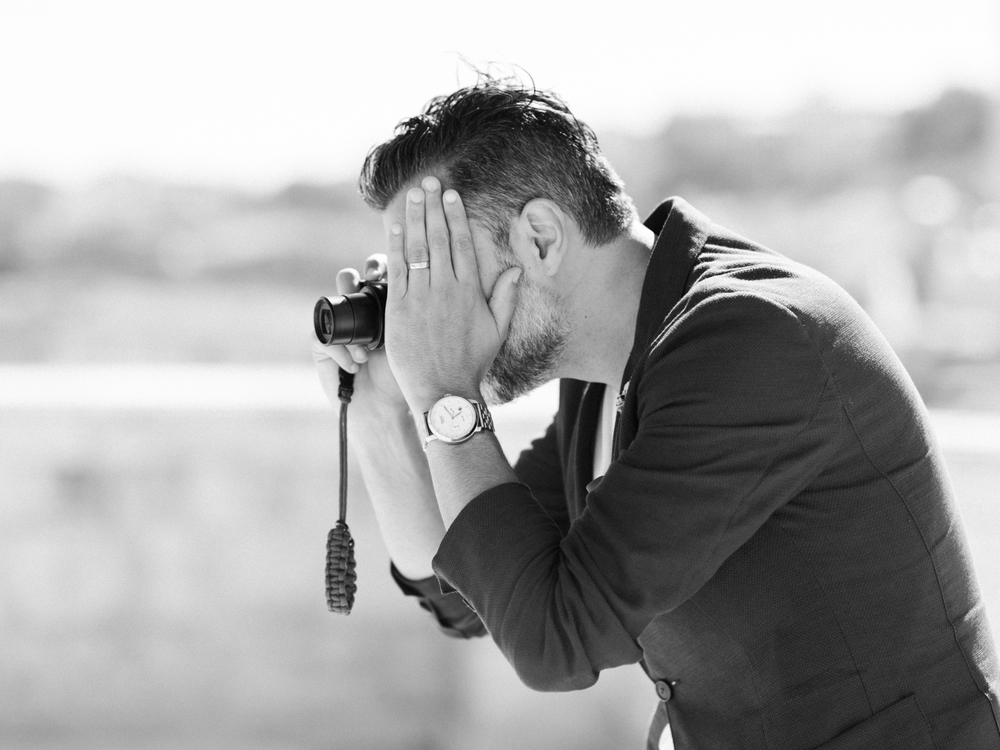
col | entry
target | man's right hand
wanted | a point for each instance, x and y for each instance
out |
(375, 386)
(385, 443)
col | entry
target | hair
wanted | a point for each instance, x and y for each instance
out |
(501, 144)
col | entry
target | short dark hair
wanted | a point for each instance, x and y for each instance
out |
(501, 144)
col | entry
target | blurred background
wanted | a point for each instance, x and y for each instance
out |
(177, 187)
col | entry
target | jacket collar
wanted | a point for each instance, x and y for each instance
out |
(681, 231)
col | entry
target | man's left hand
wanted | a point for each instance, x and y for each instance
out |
(442, 333)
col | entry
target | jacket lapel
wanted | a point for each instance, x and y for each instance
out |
(681, 232)
(582, 446)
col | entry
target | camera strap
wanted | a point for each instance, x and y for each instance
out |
(340, 574)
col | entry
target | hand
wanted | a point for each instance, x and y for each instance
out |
(442, 333)
(374, 384)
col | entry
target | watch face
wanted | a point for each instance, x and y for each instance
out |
(452, 418)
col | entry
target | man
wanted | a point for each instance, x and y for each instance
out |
(739, 491)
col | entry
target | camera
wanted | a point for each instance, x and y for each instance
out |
(357, 318)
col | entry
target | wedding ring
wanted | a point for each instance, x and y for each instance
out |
(418, 265)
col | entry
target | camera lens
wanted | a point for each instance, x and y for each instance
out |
(326, 322)
(334, 320)
(352, 318)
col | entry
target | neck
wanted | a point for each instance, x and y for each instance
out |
(602, 301)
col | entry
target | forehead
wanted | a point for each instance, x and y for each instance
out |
(395, 213)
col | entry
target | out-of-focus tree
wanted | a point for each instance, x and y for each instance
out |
(950, 137)
(956, 124)
(20, 200)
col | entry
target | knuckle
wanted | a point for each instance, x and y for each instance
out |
(418, 252)
(438, 238)
(463, 243)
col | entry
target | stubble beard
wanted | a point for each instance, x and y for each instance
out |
(533, 348)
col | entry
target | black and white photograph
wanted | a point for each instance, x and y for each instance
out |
(515, 376)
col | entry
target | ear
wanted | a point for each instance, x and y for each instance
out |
(543, 230)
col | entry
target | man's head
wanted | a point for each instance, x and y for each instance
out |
(502, 146)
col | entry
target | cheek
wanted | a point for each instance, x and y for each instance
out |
(528, 314)
(487, 279)
(486, 261)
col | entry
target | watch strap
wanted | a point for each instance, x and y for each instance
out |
(485, 419)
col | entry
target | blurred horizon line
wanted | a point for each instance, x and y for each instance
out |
(284, 388)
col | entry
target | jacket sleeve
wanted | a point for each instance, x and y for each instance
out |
(454, 617)
(539, 467)
(736, 415)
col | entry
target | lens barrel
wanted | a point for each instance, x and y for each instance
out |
(357, 318)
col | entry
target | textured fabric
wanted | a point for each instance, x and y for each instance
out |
(453, 615)
(776, 536)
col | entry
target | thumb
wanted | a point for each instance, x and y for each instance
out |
(503, 299)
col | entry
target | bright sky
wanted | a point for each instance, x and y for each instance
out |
(258, 93)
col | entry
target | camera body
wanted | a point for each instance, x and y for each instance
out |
(357, 318)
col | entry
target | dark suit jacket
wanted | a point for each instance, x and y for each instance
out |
(775, 540)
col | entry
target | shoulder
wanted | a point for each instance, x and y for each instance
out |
(729, 317)
(736, 288)
(737, 337)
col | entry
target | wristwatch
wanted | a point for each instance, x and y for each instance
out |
(453, 420)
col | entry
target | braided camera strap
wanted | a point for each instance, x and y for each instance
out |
(340, 573)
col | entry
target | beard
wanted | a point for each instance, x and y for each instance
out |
(533, 349)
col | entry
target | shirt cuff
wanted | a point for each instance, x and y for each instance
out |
(454, 616)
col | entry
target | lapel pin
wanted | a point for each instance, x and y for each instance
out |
(620, 399)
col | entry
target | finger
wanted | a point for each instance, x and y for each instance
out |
(463, 252)
(336, 354)
(348, 281)
(416, 237)
(375, 267)
(396, 262)
(503, 300)
(437, 229)
(349, 358)
(329, 379)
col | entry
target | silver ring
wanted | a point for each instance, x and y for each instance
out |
(419, 265)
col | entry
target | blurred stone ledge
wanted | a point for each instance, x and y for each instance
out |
(211, 387)
(161, 387)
